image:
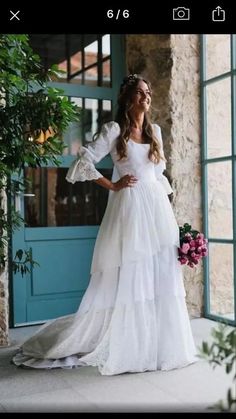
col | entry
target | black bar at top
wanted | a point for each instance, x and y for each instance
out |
(95, 16)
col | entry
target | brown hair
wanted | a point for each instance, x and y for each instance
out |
(124, 119)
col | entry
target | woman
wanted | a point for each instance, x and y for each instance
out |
(133, 316)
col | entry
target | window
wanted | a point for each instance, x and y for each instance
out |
(84, 59)
(218, 93)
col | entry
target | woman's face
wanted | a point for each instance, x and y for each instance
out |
(141, 98)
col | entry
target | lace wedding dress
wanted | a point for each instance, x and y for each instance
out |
(133, 315)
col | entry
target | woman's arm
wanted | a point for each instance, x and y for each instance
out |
(127, 181)
(83, 167)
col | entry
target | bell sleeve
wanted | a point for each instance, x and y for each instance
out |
(83, 168)
(159, 170)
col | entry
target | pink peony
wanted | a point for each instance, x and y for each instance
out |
(193, 246)
(188, 237)
(185, 248)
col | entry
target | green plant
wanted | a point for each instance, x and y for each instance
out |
(33, 117)
(222, 351)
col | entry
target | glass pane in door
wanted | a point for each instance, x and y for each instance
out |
(217, 55)
(221, 280)
(106, 56)
(219, 118)
(52, 201)
(219, 179)
(94, 112)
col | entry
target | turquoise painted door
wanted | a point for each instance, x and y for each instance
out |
(62, 220)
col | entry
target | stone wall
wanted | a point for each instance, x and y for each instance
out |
(186, 150)
(4, 296)
(171, 63)
(4, 336)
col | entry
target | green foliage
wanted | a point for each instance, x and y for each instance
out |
(223, 352)
(187, 228)
(33, 117)
(23, 262)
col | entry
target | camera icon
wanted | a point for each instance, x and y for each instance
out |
(181, 13)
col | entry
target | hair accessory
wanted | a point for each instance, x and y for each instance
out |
(129, 80)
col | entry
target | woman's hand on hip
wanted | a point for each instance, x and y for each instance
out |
(127, 181)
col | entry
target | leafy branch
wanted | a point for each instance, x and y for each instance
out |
(33, 117)
(22, 261)
(223, 352)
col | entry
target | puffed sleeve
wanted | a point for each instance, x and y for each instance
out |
(159, 169)
(83, 168)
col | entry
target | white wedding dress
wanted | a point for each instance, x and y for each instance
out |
(133, 316)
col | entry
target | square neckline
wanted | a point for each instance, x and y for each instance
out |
(133, 141)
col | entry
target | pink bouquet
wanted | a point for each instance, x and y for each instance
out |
(193, 246)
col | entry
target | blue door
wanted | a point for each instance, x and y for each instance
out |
(62, 220)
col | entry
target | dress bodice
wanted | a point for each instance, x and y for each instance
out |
(137, 162)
